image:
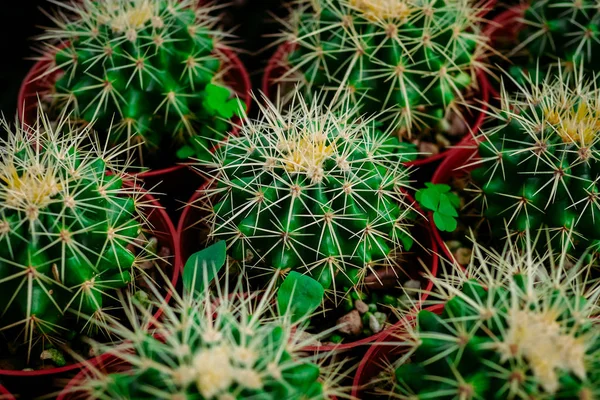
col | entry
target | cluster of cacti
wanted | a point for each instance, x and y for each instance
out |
(211, 346)
(560, 32)
(412, 60)
(70, 234)
(312, 190)
(539, 161)
(147, 71)
(514, 325)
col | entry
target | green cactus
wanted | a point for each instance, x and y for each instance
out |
(312, 190)
(411, 60)
(228, 345)
(560, 32)
(539, 161)
(70, 234)
(515, 325)
(147, 68)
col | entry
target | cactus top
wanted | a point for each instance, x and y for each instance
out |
(515, 325)
(312, 189)
(212, 347)
(539, 160)
(69, 232)
(146, 69)
(409, 60)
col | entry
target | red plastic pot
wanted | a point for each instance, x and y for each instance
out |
(382, 353)
(164, 231)
(5, 394)
(34, 86)
(278, 66)
(193, 234)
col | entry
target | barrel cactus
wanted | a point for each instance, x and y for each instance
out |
(70, 235)
(150, 69)
(412, 59)
(208, 347)
(539, 161)
(313, 190)
(560, 32)
(515, 325)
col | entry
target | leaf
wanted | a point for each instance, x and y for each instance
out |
(430, 199)
(446, 207)
(454, 199)
(185, 152)
(444, 222)
(300, 295)
(202, 267)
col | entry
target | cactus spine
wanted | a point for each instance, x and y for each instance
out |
(212, 347)
(313, 190)
(561, 32)
(69, 233)
(150, 69)
(539, 165)
(409, 61)
(515, 325)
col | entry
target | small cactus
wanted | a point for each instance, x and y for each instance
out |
(561, 32)
(539, 161)
(150, 69)
(226, 345)
(514, 325)
(410, 61)
(312, 190)
(70, 234)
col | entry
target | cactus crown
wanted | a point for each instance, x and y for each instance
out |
(412, 59)
(539, 165)
(69, 232)
(311, 189)
(225, 345)
(515, 324)
(564, 32)
(146, 67)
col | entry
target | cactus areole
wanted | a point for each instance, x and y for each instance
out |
(515, 326)
(539, 165)
(312, 190)
(148, 71)
(411, 61)
(70, 236)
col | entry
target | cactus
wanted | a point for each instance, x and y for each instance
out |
(69, 234)
(560, 32)
(225, 345)
(312, 190)
(148, 68)
(412, 61)
(539, 161)
(514, 325)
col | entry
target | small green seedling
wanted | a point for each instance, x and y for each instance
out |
(443, 203)
(300, 295)
(202, 267)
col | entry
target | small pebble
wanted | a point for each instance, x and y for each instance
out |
(351, 323)
(463, 255)
(405, 301)
(374, 324)
(458, 126)
(361, 306)
(453, 245)
(442, 141)
(412, 287)
(427, 148)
